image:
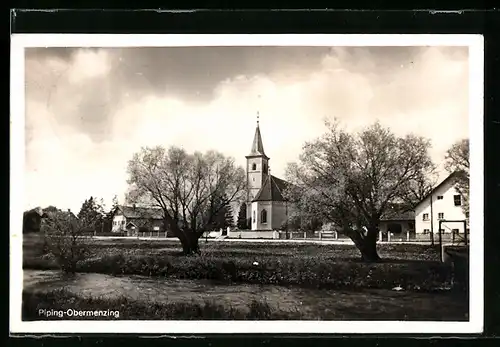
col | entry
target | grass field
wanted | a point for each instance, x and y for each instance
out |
(320, 271)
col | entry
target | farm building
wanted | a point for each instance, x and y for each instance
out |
(443, 204)
(135, 219)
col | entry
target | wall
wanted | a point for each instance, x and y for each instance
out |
(384, 225)
(445, 205)
(257, 207)
(245, 234)
(119, 221)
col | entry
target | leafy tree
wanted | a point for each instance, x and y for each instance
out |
(228, 216)
(242, 217)
(65, 237)
(352, 179)
(457, 161)
(32, 220)
(223, 218)
(92, 210)
(51, 208)
(190, 189)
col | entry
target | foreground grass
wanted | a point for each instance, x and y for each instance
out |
(135, 310)
(413, 267)
(355, 306)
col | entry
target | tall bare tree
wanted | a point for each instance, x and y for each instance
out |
(457, 160)
(190, 189)
(353, 179)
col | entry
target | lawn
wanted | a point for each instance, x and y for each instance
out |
(320, 271)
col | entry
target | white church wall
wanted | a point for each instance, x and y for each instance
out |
(257, 208)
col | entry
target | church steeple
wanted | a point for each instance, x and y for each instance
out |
(257, 167)
(257, 146)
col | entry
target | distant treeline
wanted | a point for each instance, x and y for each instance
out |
(32, 221)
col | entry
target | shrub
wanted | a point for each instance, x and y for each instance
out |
(314, 266)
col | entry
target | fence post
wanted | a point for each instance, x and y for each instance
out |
(388, 236)
(408, 235)
(336, 235)
(380, 236)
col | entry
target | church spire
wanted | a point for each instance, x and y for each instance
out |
(257, 146)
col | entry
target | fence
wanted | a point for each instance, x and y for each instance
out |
(446, 238)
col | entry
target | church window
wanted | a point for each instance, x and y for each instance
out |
(254, 166)
(264, 167)
(263, 216)
(253, 217)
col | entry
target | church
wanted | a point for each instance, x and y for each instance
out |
(267, 208)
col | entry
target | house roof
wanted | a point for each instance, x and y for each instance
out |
(453, 175)
(272, 189)
(137, 212)
(397, 212)
(257, 146)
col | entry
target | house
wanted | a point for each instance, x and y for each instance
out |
(397, 224)
(134, 219)
(32, 220)
(443, 206)
(267, 208)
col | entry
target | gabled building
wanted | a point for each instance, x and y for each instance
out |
(444, 203)
(134, 219)
(397, 223)
(267, 208)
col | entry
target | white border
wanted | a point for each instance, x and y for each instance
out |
(476, 73)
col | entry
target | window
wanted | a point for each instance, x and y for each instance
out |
(440, 197)
(263, 216)
(426, 231)
(457, 199)
(440, 215)
(254, 166)
(253, 217)
(264, 167)
(425, 216)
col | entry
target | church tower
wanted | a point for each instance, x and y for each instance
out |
(257, 168)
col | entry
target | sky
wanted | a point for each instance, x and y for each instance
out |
(88, 110)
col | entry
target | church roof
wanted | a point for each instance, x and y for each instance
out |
(257, 146)
(272, 189)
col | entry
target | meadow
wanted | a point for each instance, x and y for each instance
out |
(313, 273)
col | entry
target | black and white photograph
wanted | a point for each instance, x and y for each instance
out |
(246, 183)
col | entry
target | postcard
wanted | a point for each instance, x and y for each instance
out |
(203, 184)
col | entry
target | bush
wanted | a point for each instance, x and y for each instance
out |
(413, 267)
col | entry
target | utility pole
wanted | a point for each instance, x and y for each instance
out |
(432, 223)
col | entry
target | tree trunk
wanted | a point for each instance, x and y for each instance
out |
(190, 244)
(367, 244)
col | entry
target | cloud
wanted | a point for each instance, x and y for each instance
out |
(88, 111)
